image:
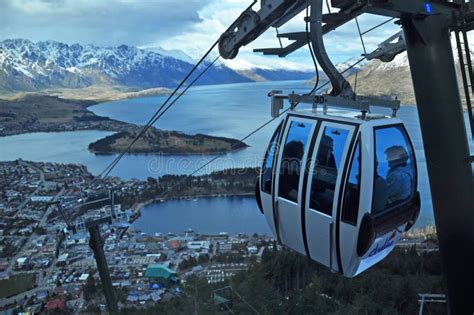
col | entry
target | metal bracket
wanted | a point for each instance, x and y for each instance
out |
(360, 103)
(332, 21)
(277, 103)
(340, 86)
(251, 24)
(387, 50)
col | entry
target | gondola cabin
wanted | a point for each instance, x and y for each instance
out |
(339, 187)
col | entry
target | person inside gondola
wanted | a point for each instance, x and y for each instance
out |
(290, 168)
(325, 156)
(380, 197)
(324, 178)
(399, 176)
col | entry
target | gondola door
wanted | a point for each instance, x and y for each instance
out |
(324, 182)
(289, 181)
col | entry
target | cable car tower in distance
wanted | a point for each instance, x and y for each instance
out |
(314, 220)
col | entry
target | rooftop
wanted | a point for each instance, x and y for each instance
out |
(160, 271)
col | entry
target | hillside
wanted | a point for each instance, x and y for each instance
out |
(35, 113)
(164, 142)
(377, 78)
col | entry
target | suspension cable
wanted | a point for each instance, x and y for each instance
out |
(163, 194)
(377, 26)
(245, 301)
(279, 38)
(171, 104)
(157, 115)
(311, 49)
(360, 36)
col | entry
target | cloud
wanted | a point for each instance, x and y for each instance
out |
(341, 44)
(191, 27)
(111, 22)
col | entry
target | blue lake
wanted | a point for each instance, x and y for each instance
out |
(223, 110)
(204, 215)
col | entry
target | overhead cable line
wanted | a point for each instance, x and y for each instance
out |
(107, 170)
(311, 49)
(157, 114)
(278, 36)
(360, 36)
(377, 26)
(231, 289)
(236, 145)
(165, 110)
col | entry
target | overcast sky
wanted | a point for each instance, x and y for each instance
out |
(190, 25)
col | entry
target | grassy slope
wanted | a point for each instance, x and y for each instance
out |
(41, 108)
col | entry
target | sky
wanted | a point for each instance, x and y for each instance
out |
(190, 26)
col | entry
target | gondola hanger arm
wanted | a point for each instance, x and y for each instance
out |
(251, 24)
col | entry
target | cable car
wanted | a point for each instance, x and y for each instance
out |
(339, 187)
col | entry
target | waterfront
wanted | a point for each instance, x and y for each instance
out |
(209, 215)
(220, 110)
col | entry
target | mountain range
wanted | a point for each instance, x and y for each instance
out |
(29, 66)
(376, 78)
(394, 78)
(48, 66)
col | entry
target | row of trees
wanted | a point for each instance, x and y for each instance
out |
(288, 283)
(229, 182)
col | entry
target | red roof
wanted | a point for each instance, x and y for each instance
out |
(55, 304)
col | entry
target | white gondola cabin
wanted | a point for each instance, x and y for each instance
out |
(339, 189)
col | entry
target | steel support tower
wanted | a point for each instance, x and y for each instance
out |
(427, 26)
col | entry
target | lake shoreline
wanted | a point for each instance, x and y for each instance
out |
(207, 214)
(34, 113)
(139, 206)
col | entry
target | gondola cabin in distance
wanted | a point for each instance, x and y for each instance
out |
(339, 187)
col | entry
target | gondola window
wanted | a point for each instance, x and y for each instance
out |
(327, 165)
(293, 153)
(395, 175)
(268, 162)
(350, 206)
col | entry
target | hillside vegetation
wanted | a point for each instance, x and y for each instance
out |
(37, 112)
(165, 142)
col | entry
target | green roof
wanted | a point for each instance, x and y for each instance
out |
(220, 299)
(160, 271)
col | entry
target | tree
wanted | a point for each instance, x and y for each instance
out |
(203, 259)
(39, 230)
(90, 288)
(189, 263)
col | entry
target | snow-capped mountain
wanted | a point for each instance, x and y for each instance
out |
(28, 66)
(347, 68)
(351, 65)
(174, 53)
(393, 78)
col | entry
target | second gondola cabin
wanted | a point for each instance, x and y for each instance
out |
(339, 187)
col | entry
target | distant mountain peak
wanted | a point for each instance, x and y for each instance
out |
(173, 53)
(30, 66)
(394, 78)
